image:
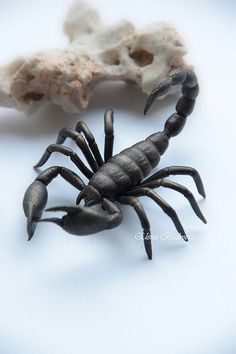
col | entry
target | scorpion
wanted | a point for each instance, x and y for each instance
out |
(120, 178)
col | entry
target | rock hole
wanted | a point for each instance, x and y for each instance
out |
(142, 57)
(32, 96)
(116, 62)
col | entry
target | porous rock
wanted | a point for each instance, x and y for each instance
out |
(95, 52)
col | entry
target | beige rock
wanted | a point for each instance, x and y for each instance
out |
(96, 52)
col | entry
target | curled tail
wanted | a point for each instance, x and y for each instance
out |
(185, 105)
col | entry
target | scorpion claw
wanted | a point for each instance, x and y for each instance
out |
(67, 209)
(31, 224)
(85, 220)
(34, 202)
(56, 221)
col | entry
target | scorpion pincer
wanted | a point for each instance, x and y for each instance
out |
(121, 178)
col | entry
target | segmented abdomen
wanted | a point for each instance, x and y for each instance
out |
(126, 169)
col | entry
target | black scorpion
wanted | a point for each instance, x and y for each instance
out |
(119, 178)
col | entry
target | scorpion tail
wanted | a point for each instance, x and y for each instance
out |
(190, 90)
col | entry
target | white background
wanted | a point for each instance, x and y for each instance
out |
(99, 294)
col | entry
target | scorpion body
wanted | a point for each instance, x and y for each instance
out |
(126, 169)
(119, 178)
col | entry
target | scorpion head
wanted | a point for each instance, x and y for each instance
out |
(90, 195)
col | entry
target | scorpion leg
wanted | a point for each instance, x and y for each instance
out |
(82, 127)
(67, 152)
(181, 189)
(36, 195)
(190, 89)
(86, 221)
(80, 142)
(109, 134)
(136, 204)
(144, 191)
(179, 170)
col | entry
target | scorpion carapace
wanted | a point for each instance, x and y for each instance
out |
(121, 178)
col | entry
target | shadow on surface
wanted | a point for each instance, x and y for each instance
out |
(49, 119)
